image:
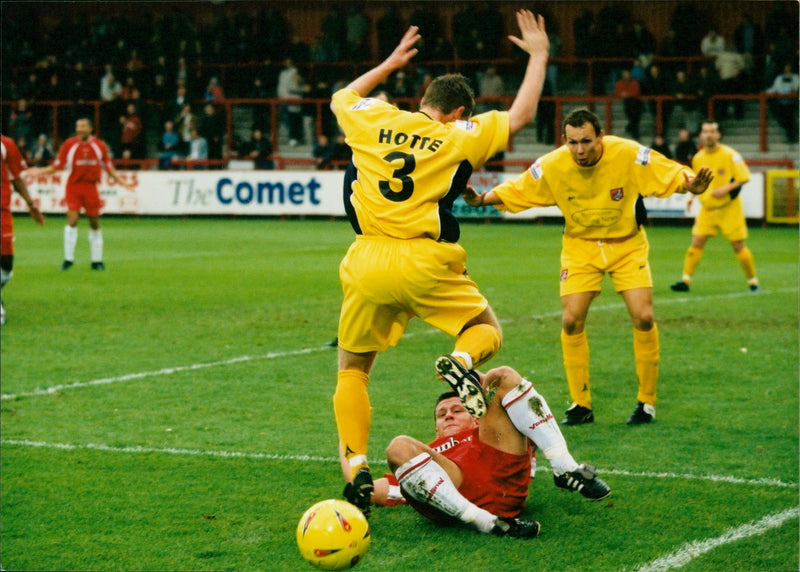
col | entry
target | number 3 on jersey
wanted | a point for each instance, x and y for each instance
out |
(402, 174)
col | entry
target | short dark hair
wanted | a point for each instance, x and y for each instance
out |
(447, 92)
(442, 397)
(88, 119)
(578, 117)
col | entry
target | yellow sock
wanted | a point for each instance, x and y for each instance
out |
(748, 265)
(481, 342)
(353, 415)
(693, 256)
(646, 351)
(576, 365)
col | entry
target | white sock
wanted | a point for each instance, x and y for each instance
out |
(5, 276)
(70, 240)
(427, 482)
(465, 356)
(96, 244)
(531, 415)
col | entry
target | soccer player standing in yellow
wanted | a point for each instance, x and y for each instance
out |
(597, 180)
(721, 209)
(408, 168)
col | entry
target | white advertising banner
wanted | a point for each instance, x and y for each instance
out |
(279, 193)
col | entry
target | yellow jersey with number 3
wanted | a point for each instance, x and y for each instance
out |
(409, 167)
(598, 202)
(727, 166)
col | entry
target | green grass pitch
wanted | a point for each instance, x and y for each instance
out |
(174, 412)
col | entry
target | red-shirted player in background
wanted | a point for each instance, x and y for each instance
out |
(12, 165)
(86, 157)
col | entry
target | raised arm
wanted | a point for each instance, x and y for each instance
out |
(398, 59)
(534, 42)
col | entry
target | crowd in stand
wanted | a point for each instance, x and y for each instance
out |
(161, 73)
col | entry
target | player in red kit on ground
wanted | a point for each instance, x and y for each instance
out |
(12, 166)
(86, 157)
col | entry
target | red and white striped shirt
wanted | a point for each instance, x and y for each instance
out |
(84, 159)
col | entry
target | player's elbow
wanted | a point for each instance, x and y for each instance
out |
(517, 119)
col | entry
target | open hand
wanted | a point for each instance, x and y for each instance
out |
(698, 184)
(534, 37)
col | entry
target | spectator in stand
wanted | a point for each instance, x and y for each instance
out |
(357, 29)
(80, 88)
(545, 121)
(176, 104)
(214, 91)
(212, 128)
(642, 40)
(110, 95)
(555, 52)
(731, 68)
(748, 40)
(132, 138)
(290, 87)
(785, 110)
(684, 91)
(334, 29)
(169, 146)
(661, 145)
(490, 85)
(342, 153)
(198, 148)
(41, 152)
(685, 148)
(259, 150)
(712, 44)
(53, 89)
(21, 122)
(135, 67)
(322, 152)
(630, 91)
(185, 122)
(110, 87)
(158, 91)
(656, 84)
(706, 84)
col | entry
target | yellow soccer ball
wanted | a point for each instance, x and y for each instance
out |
(333, 535)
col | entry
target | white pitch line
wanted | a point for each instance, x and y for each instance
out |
(164, 371)
(274, 456)
(274, 355)
(711, 478)
(688, 552)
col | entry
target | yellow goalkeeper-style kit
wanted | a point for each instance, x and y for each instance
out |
(723, 214)
(599, 203)
(408, 170)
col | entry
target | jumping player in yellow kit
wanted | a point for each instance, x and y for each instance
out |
(596, 180)
(721, 210)
(408, 168)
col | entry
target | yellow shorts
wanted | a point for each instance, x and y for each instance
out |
(386, 282)
(729, 220)
(584, 263)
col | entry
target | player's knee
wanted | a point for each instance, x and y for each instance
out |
(401, 450)
(644, 322)
(502, 379)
